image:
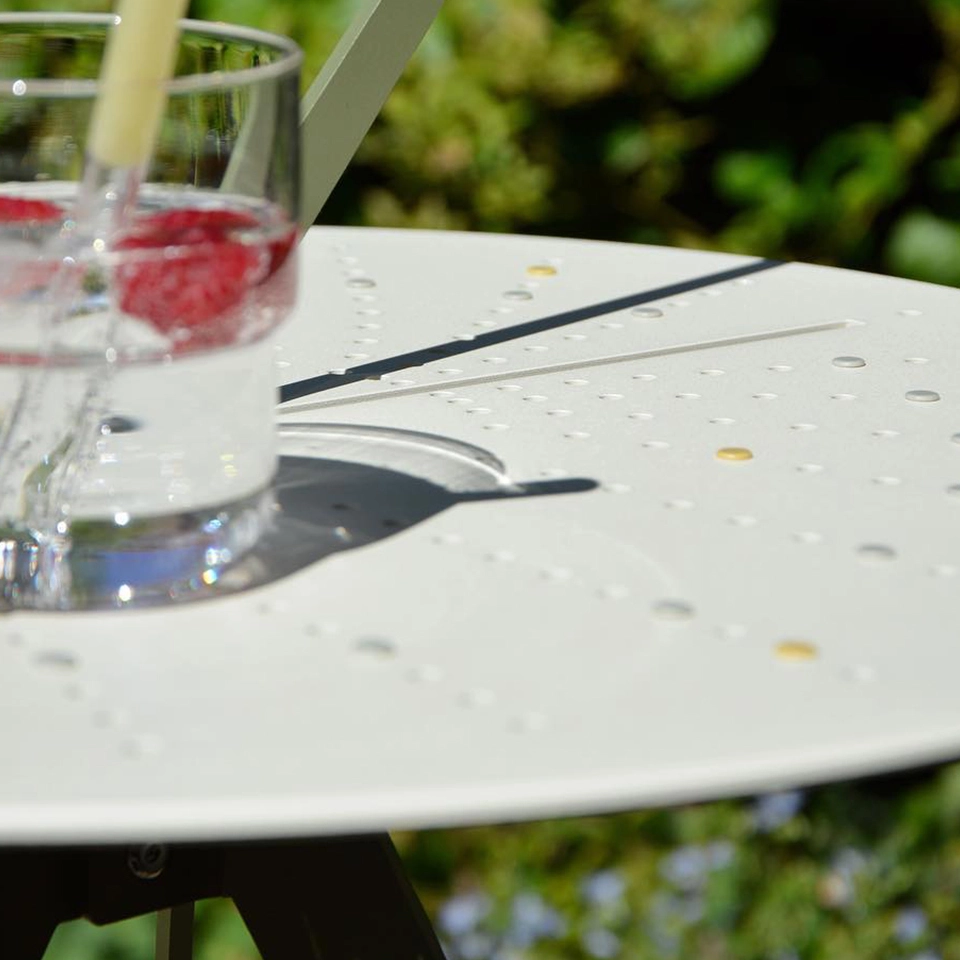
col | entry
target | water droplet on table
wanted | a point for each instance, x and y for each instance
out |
(923, 396)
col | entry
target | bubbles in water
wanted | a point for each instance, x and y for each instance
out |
(119, 424)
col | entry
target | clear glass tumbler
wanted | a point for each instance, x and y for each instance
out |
(137, 384)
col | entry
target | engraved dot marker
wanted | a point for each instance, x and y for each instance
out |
(734, 453)
(923, 396)
(426, 673)
(876, 553)
(614, 591)
(849, 362)
(541, 270)
(796, 651)
(673, 610)
(860, 673)
(377, 648)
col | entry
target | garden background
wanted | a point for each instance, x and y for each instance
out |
(819, 130)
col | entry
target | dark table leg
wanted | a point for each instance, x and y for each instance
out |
(175, 933)
(341, 899)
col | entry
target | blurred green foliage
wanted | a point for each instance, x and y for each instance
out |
(858, 871)
(821, 130)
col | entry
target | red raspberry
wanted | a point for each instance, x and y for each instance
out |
(20, 274)
(23, 210)
(191, 291)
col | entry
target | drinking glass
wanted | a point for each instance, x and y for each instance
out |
(137, 384)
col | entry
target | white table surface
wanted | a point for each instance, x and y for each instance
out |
(531, 656)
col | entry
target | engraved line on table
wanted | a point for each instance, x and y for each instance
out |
(570, 365)
(453, 348)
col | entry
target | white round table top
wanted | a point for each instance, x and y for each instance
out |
(720, 554)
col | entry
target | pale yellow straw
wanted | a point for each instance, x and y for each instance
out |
(138, 62)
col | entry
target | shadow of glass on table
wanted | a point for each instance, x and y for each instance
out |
(337, 487)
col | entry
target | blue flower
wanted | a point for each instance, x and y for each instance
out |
(600, 943)
(603, 888)
(462, 913)
(775, 809)
(475, 946)
(910, 924)
(686, 867)
(720, 854)
(532, 919)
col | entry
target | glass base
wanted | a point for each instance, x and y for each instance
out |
(153, 560)
(337, 487)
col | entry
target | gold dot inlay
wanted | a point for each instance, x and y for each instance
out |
(734, 453)
(796, 651)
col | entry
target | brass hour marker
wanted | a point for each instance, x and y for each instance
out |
(734, 453)
(796, 651)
